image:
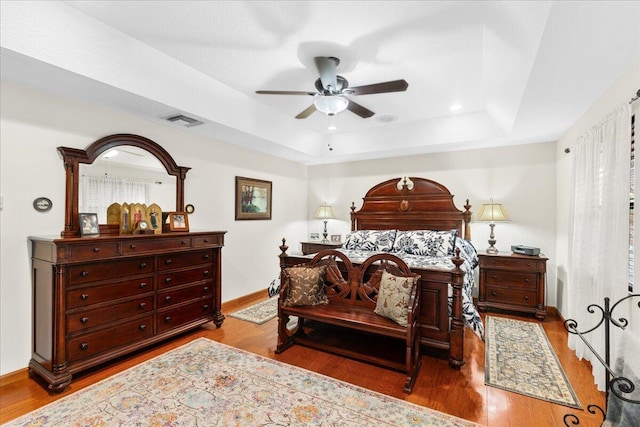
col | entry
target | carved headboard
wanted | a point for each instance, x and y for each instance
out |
(410, 204)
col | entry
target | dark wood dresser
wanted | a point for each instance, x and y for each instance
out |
(95, 299)
(513, 282)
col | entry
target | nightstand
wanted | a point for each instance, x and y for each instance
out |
(513, 282)
(313, 247)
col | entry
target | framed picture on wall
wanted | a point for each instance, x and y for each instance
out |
(89, 224)
(253, 198)
(335, 238)
(314, 237)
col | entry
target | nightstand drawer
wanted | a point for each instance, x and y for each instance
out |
(514, 278)
(522, 297)
(511, 263)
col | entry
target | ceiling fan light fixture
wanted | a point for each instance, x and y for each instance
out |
(331, 105)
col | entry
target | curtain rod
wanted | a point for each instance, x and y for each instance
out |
(634, 99)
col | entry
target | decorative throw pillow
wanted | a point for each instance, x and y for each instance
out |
(426, 242)
(393, 297)
(306, 286)
(371, 240)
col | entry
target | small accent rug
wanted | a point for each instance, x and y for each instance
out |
(258, 313)
(206, 383)
(519, 358)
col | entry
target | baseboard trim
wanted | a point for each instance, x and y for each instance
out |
(245, 300)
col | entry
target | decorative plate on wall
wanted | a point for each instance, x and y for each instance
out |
(42, 204)
(189, 208)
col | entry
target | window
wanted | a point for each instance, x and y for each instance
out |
(632, 196)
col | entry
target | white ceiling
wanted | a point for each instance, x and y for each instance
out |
(523, 72)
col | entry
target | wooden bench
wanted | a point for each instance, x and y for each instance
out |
(352, 292)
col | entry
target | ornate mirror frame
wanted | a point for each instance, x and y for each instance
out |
(72, 157)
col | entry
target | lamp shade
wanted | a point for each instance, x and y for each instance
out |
(493, 212)
(331, 104)
(324, 212)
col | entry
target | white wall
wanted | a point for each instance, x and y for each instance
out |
(33, 124)
(522, 178)
(619, 93)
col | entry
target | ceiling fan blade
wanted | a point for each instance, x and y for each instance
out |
(306, 113)
(392, 86)
(359, 110)
(326, 66)
(284, 92)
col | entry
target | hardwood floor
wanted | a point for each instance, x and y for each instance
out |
(461, 393)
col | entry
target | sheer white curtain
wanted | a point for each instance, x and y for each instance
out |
(97, 193)
(599, 230)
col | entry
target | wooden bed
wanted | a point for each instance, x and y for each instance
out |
(419, 204)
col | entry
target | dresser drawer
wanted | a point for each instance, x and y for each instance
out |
(200, 241)
(514, 278)
(86, 319)
(523, 297)
(153, 245)
(94, 251)
(512, 263)
(185, 259)
(96, 294)
(108, 270)
(176, 296)
(177, 278)
(87, 345)
(185, 314)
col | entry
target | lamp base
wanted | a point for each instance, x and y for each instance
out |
(492, 241)
(492, 250)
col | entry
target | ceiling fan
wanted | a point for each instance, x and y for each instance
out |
(333, 90)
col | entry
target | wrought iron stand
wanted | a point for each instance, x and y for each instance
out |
(618, 385)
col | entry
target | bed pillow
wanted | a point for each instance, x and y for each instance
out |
(306, 286)
(371, 240)
(426, 242)
(393, 297)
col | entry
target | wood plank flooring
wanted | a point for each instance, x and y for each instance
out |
(461, 393)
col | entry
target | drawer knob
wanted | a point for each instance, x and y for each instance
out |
(526, 279)
(167, 280)
(142, 327)
(84, 273)
(168, 262)
(84, 320)
(96, 250)
(142, 305)
(206, 272)
(143, 265)
(84, 297)
(183, 242)
(132, 246)
(206, 288)
(206, 256)
(84, 346)
(205, 307)
(167, 298)
(206, 240)
(143, 285)
(494, 293)
(493, 276)
(167, 319)
(526, 297)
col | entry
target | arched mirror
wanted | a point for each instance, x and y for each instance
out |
(127, 144)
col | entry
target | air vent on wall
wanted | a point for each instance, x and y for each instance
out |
(183, 120)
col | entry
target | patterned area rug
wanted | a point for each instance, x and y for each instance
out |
(258, 313)
(519, 358)
(205, 383)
